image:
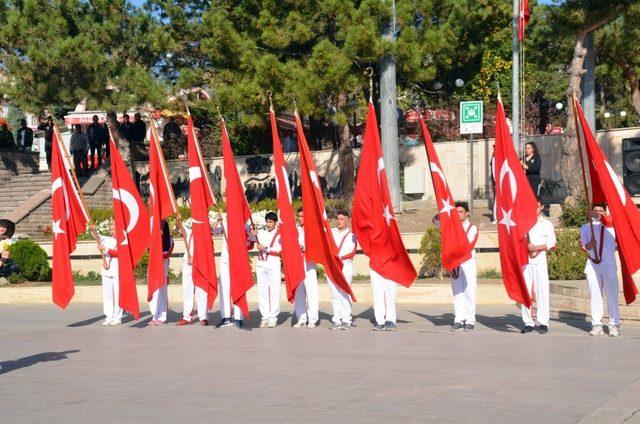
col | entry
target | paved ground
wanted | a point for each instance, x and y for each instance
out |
(62, 366)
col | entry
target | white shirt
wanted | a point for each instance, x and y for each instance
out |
(609, 247)
(542, 233)
(109, 243)
(272, 242)
(221, 228)
(348, 241)
(300, 236)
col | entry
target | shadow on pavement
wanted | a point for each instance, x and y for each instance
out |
(509, 323)
(437, 320)
(580, 324)
(27, 361)
(86, 322)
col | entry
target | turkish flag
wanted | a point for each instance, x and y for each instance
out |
(516, 211)
(607, 188)
(202, 261)
(162, 205)
(319, 244)
(291, 255)
(238, 213)
(132, 229)
(374, 222)
(523, 18)
(69, 219)
(455, 247)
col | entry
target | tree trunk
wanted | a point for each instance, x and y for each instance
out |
(632, 77)
(345, 151)
(119, 140)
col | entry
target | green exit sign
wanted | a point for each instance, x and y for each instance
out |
(471, 116)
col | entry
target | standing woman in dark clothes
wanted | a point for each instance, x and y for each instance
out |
(532, 164)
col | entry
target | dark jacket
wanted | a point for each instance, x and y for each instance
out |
(48, 135)
(24, 137)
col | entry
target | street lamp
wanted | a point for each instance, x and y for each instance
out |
(623, 113)
(559, 106)
(607, 115)
(459, 83)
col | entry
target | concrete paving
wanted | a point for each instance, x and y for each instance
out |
(64, 367)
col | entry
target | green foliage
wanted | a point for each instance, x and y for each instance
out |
(90, 278)
(431, 264)
(490, 273)
(321, 271)
(100, 214)
(16, 278)
(574, 212)
(567, 261)
(31, 259)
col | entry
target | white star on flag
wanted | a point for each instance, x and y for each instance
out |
(126, 238)
(447, 207)
(387, 214)
(57, 229)
(506, 220)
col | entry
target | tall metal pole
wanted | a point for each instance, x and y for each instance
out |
(515, 82)
(389, 115)
(471, 173)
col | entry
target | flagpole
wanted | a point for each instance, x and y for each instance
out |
(167, 183)
(584, 180)
(201, 159)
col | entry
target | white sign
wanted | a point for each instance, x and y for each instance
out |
(471, 116)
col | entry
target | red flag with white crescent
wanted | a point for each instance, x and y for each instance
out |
(203, 264)
(455, 247)
(161, 205)
(516, 211)
(607, 188)
(523, 18)
(291, 255)
(374, 222)
(69, 220)
(132, 229)
(319, 244)
(238, 213)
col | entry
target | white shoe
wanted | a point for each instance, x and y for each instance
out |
(596, 330)
(613, 331)
(264, 323)
(106, 322)
(272, 323)
(300, 324)
(312, 324)
(115, 322)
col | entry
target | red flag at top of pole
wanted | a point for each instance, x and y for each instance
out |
(374, 222)
(291, 255)
(524, 16)
(319, 244)
(238, 213)
(516, 211)
(132, 229)
(455, 247)
(607, 188)
(69, 220)
(161, 204)
(202, 261)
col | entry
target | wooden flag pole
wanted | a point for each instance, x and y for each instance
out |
(597, 258)
(167, 182)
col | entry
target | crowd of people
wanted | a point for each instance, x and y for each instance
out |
(601, 275)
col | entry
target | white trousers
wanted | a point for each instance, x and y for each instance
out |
(110, 298)
(464, 290)
(159, 302)
(384, 298)
(605, 277)
(341, 301)
(268, 292)
(306, 302)
(188, 290)
(536, 276)
(225, 294)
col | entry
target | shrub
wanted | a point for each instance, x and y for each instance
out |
(490, 273)
(567, 261)
(99, 214)
(31, 259)
(431, 264)
(574, 212)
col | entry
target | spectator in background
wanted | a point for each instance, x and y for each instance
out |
(171, 130)
(531, 163)
(290, 143)
(139, 129)
(7, 266)
(95, 133)
(173, 142)
(126, 128)
(24, 136)
(6, 138)
(47, 127)
(78, 148)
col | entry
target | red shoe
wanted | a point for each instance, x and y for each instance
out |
(184, 322)
(204, 322)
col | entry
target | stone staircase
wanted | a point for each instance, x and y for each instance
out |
(571, 299)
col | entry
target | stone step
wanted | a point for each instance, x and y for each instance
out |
(581, 306)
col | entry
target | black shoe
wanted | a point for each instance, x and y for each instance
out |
(526, 329)
(238, 323)
(379, 327)
(390, 326)
(543, 329)
(457, 326)
(224, 322)
(469, 327)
